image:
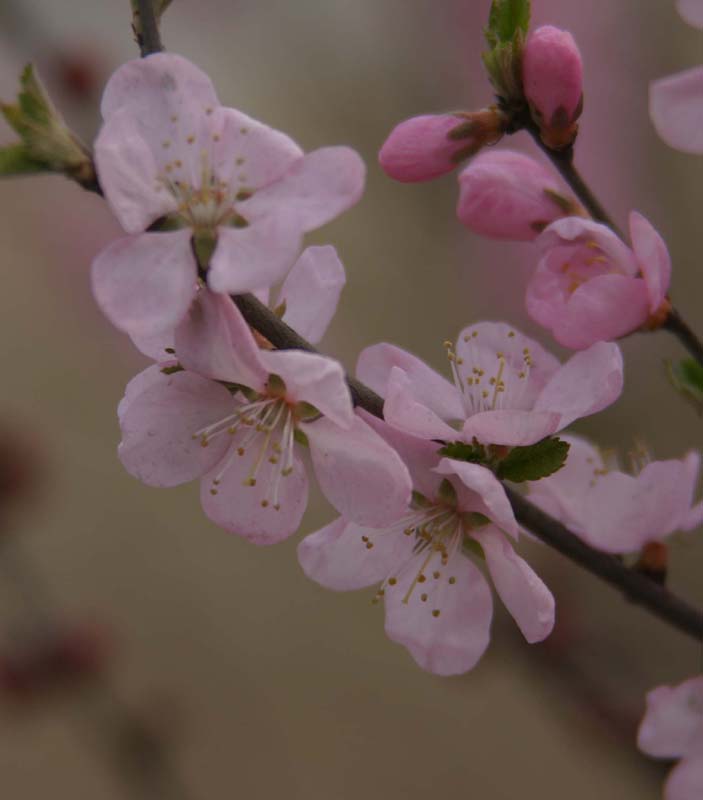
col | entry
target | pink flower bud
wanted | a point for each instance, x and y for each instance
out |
(506, 195)
(422, 148)
(552, 74)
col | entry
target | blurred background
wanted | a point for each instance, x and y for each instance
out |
(197, 666)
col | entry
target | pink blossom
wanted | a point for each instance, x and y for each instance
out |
(673, 728)
(236, 191)
(437, 603)
(691, 11)
(306, 301)
(553, 83)
(507, 390)
(425, 147)
(676, 109)
(234, 415)
(507, 195)
(615, 511)
(590, 287)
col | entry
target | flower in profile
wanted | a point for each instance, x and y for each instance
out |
(589, 286)
(507, 195)
(437, 602)
(237, 417)
(507, 389)
(616, 511)
(672, 728)
(232, 195)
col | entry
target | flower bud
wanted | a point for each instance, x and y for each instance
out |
(422, 148)
(552, 74)
(506, 195)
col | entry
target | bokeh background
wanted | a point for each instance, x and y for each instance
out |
(257, 682)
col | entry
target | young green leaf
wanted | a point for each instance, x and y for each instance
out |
(535, 461)
(506, 18)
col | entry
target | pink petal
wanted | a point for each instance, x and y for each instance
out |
(509, 427)
(315, 190)
(144, 380)
(585, 232)
(156, 345)
(250, 511)
(128, 170)
(159, 424)
(158, 86)
(454, 641)
(522, 591)
(691, 11)
(314, 379)
(337, 557)
(311, 292)
(144, 284)
(425, 385)
(672, 725)
(653, 258)
(359, 473)
(419, 148)
(215, 341)
(676, 109)
(486, 496)
(419, 455)
(402, 411)
(587, 383)
(253, 257)
(484, 345)
(552, 73)
(685, 781)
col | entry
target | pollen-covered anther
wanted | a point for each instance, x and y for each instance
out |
(435, 612)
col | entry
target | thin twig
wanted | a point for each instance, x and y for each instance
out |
(675, 324)
(147, 28)
(638, 588)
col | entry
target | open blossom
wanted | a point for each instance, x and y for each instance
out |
(437, 603)
(507, 195)
(306, 301)
(615, 511)
(589, 286)
(236, 195)
(507, 390)
(672, 728)
(425, 147)
(234, 416)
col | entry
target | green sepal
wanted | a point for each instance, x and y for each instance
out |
(15, 160)
(506, 19)
(686, 377)
(508, 23)
(306, 411)
(419, 500)
(447, 493)
(535, 461)
(204, 243)
(275, 385)
(473, 548)
(475, 520)
(300, 437)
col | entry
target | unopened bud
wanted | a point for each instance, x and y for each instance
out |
(507, 195)
(422, 148)
(552, 74)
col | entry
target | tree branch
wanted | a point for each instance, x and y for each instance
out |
(146, 27)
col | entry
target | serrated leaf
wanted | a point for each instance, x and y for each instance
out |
(535, 461)
(15, 160)
(505, 19)
(461, 451)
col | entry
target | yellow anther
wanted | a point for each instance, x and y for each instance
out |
(190, 139)
(435, 574)
(423, 597)
(452, 580)
(421, 578)
(392, 581)
(435, 613)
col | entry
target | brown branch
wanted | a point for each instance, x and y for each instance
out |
(146, 27)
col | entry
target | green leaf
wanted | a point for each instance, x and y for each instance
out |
(534, 461)
(506, 19)
(460, 451)
(687, 378)
(15, 160)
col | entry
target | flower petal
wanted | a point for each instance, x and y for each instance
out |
(587, 383)
(156, 346)
(676, 109)
(653, 257)
(586, 232)
(316, 189)
(513, 428)
(159, 424)
(685, 782)
(671, 727)
(145, 283)
(311, 292)
(402, 411)
(262, 513)
(253, 257)
(453, 641)
(314, 379)
(337, 557)
(144, 380)
(424, 384)
(486, 496)
(691, 11)
(215, 341)
(529, 601)
(360, 474)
